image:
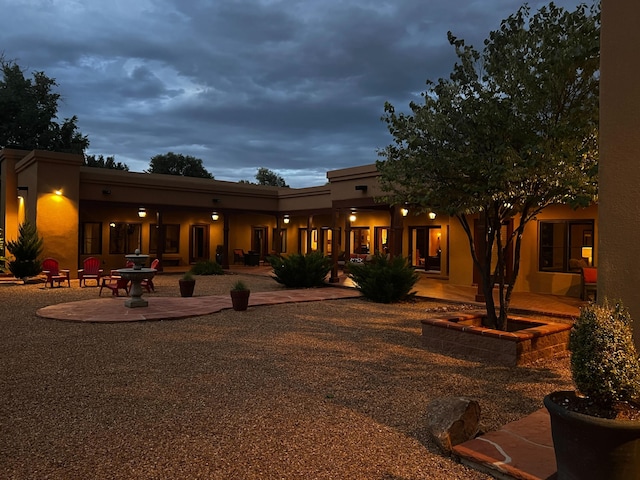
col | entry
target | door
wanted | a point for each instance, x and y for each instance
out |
(199, 243)
(259, 241)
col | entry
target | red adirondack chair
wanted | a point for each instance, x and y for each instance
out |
(115, 284)
(51, 269)
(90, 271)
(148, 282)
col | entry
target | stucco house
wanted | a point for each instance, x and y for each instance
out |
(83, 211)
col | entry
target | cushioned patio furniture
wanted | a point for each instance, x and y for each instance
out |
(51, 269)
(589, 282)
(90, 271)
(238, 256)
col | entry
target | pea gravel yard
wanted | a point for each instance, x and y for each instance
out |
(324, 390)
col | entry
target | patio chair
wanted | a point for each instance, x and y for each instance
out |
(115, 284)
(238, 256)
(588, 282)
(148, 282)
(51, 269)
(90, 271)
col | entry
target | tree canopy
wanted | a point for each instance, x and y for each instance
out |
(28, 113)
(102, 162)
(178, 164)
(264, 176)
(512, 130)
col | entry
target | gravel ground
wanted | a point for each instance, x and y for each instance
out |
(326, 390)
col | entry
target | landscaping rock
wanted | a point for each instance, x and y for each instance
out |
(453, 420)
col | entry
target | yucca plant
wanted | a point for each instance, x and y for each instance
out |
(301, 271)
(384, 280)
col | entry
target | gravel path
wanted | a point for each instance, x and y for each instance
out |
(326, 390)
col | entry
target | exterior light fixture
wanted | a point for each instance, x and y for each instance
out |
(404, 211)
(352, 217)
(142, 212)
(215, 216)
(286, 219)
(432, 215)
(58, 192)
(112, 225)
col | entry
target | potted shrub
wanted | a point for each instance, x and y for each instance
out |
(187, 284)
(240, 296)
(596, 429)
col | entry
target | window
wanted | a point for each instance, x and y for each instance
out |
(171, 238)
(91, 241)
(565, 245)
(124, 238)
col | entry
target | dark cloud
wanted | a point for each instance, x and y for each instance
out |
(297, 86)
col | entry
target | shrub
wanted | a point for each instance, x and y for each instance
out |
(25, 250)
(239, 286)
(207, 267)
(301, 271)
(383, 280)
(604, 362)
(188, 276)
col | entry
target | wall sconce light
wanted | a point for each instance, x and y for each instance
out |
(352, 217)
(404, 211)
(587, 252)
(142, 212)
(215, 216)
(432, 215)
(112, 225)
(286, 219)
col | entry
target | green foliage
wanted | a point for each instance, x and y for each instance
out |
(25, 250)
(604, 361)
(178, 164)
(301, 271)
(264, 176)
(239, 286)
(101, 162)
(207, 267)
(187, 276)
(512, 130)
(28, 113)
(384, 280)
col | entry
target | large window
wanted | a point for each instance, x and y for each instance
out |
(124, 238)
(565, 245)
(91, 241)
(171, 238)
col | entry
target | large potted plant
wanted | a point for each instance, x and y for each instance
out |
(187, 284)
(240, 296)
(596, 429)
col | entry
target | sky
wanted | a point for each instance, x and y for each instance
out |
(296, 86)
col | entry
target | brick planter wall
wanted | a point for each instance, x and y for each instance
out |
(463, 333)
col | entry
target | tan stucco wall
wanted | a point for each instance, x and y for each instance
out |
(619, 174)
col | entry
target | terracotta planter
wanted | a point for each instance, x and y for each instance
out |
(589, 447)
(240, 299)
(187, 287)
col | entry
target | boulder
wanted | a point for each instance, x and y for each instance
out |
(453, 420)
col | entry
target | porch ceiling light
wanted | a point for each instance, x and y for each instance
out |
(286, 219)
(432, 215)
(215, 216)
(404, 211)
(142, 212)
(352, 217)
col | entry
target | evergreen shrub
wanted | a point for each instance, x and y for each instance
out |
(25, 250)
(301, 271)
(207, 267)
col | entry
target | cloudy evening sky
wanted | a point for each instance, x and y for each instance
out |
(297, 86)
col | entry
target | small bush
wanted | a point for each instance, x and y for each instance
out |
(604, 362)
(187, 276)
(301, 271)
(239, 286)
(26, 250)
(383, 280)
(207, 267)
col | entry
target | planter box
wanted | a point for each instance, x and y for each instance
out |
(528, 339)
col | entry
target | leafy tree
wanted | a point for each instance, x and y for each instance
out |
(25, 250)
(28, 113)
(264, 176)
(101, 162)
(511, 131)
(177, 164)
